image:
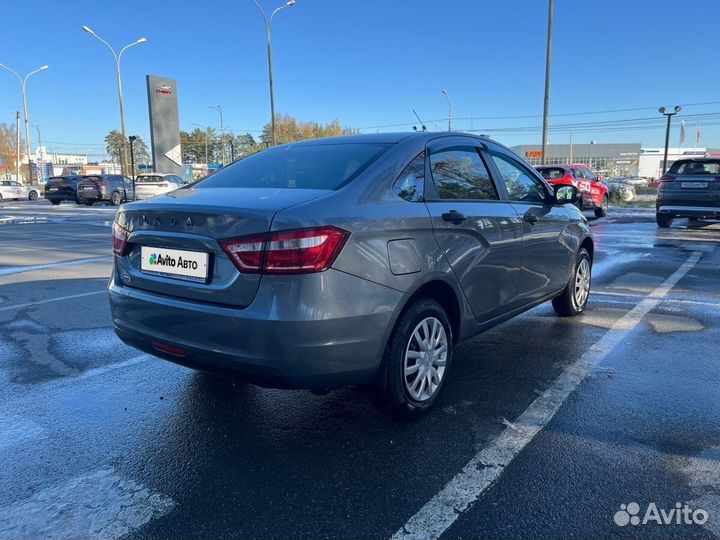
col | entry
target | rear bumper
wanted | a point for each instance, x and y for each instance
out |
(312, 331)
(712, 212)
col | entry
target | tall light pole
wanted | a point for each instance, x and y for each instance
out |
(206, 141)
(37, 127)
(449, 110)
(23, 84)
(222, 131)
(118, 57)
(546, 102)
(268, 33)
(669, 115)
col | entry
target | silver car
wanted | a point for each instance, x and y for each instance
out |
(154, 184)
(359, 260)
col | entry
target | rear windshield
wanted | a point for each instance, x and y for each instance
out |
(695, 167)
(550, 173)
(147, 179)
(322, 166)
(62, 180)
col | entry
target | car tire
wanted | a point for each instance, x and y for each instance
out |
(116, 198)
(574, 298)
(602, 210)
(33, 195)
(663, 220)
(89, 203)
(400, 390)
(54, 202)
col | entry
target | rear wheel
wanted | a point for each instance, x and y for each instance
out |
(116, 198)
(416, 360)
(574, 298)
(602, 210)
(663, 220)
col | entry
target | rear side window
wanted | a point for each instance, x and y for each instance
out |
(460, 173)
(695, 167)
(409, 185)
(302, 166)
(552, 173)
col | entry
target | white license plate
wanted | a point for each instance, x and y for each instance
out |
(694, 185)
(52, 189)
(175, 263)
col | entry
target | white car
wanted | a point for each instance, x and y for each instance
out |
(10, 189)
(151, 185)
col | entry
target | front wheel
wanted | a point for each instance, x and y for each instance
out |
(663, 220)
(602, 210)
(33, 196)
(416, 360)
(574, 298)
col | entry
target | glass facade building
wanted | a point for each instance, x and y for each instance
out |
(620, 159)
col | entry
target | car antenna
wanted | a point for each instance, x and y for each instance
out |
(424, 127)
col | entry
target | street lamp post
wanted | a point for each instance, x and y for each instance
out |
(118, 58)
(23, 83)
(449, 110)
(268, 34)
(546, 100)
(222, 131)
(206, 141)
(132, 138)
(669, 115)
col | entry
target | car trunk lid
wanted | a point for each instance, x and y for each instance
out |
(194, 220)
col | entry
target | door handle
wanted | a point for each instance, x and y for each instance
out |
(530, 218)
(454, 216)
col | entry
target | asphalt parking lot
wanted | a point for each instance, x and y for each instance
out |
(545, 428)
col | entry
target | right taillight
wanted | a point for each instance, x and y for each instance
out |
(119, 240)
(300, 251)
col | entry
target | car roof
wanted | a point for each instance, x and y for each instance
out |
(558, 166)
(383, 138)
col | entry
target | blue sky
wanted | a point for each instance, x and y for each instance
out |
(368, 63)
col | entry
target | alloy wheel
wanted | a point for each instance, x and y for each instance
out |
(582, 283)
(425, 359)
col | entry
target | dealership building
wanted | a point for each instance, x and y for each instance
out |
(621, 159)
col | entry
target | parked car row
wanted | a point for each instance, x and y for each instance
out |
(113, 188)
(12, 190)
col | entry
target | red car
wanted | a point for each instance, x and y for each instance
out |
(595, 194)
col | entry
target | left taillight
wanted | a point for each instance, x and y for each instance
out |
(119, 240)
(300, 251)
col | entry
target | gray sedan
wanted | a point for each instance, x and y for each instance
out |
(360, 260)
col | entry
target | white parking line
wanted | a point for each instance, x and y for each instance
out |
(673, 300)
(47, 300)
(484, 469)
(32, 268)
(100, 505)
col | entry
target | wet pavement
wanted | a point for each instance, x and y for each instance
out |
(545, 428)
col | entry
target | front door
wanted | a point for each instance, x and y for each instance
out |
(479, 234)
(546, 257)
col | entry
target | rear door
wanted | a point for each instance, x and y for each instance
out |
(477, 231)
(546, 260)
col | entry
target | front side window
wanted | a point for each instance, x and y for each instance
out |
(409, 185)
(460, 173)
(520, 185)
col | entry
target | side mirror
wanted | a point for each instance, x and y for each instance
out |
(567, 194)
